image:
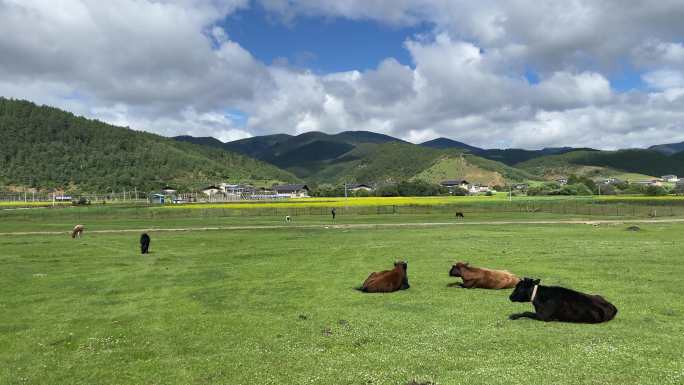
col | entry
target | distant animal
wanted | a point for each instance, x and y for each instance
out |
(634, 228)
(333, 213)
(552, 303)
(481, 278)
(77, 231)
(288, 219)
(144, 243)
(459, 214)
(387, 281)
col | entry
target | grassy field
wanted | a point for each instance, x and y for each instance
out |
(277, 306)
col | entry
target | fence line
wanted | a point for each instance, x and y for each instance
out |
(155, 212)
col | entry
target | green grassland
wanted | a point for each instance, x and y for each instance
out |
(278, 306)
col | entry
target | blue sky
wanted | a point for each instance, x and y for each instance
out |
(333, 44)
(323, 45)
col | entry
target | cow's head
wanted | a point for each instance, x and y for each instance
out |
(457, 269)
(523, 290)
(402, 264)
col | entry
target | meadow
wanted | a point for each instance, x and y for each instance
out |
(278, 305)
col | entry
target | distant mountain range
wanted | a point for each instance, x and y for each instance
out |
(366, 157)
(46, 147)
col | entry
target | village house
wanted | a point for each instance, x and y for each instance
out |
(476, 189)
(211, 191)
(562, 181)
(456, 183)
(167, 190)
(652, 182)
(292, 191)
(670, 178)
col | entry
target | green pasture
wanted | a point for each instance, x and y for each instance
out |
(278, 306)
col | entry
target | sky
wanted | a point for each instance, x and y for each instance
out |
(495, 74)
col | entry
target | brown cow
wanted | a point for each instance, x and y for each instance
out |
(476, 277)
(387, 281)
(77, 231)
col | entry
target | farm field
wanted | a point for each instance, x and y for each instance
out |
(278, 306)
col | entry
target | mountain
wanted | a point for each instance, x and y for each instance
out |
(443, 143)
(512, 156)
(363, 156)
(50, 148)
(200, 140)
(668, 149)
(645, 163)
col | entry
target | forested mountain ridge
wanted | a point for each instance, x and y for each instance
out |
(46, 147)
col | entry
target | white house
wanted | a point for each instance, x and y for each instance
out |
(211, 190)
(670, 178)
(476, 188)
(292, 190)
(652, 182)
(452, 184)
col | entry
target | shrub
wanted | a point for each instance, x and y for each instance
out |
(655, 191)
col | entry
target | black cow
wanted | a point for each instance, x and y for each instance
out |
(144, 243)
(552, 303)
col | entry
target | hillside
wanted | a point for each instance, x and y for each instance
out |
(605, 163)
(669, 148)
(361, 156)
(445, 143)
(403, 161)
(49, 148)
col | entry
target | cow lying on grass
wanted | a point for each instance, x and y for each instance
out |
(387, 281)
(552, 303)
(77, 231)
(480, 278)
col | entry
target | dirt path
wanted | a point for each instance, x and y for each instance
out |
(359, 226)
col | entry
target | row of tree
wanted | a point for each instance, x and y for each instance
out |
(580, 185)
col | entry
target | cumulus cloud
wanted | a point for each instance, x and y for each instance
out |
(167, 67)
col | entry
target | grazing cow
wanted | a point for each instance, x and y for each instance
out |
(477, 277)
(459, 214)
(288, 219)
(77, 231)
(387, 281)
(144, 243)
(552, 303)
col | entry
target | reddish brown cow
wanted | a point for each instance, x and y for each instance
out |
(476, 277)
(387, 281)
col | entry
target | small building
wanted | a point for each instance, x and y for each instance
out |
(476, 188)
(292, 190)
(168, 190)
(520, 186)
(358, 187)
(562, 181)
(451, 184)
(611, 181)
(211, 190)
(156, 199)
(652, 182)
(670, 178)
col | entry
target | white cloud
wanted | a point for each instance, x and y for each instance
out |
(164, 66)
